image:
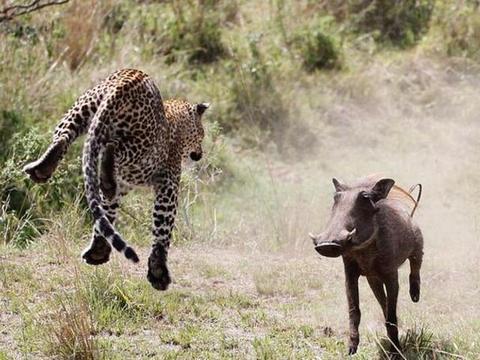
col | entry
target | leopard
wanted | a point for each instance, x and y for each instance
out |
(133, 139)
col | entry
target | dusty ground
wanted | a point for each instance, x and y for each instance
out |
(226, 302)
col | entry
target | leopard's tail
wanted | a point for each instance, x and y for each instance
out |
(97, 137)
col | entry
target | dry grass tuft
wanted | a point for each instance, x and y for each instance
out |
(419, 343)
(83, 21)
(70, 331)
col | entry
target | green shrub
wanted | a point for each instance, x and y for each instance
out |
(16, 229)
(459, 28)
(316, 47)
(193, 33)
(23, 203)
(401, 23)
(10, 123)
(196, 213)
(419, 343)
(256, 107)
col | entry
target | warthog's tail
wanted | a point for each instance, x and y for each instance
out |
(408, 195)
(419, 196)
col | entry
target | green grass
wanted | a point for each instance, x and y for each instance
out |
(112, 312)
(421, 343)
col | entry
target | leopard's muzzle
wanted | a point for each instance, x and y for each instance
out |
(195, 156)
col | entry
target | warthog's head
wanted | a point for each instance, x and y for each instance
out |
(352, 221)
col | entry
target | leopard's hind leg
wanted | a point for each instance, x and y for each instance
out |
(108, 184)
(42, 169)
(74, 123)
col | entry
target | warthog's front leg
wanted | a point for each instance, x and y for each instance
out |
(351, 282)
(391, 285)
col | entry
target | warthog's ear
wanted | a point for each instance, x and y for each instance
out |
(381, 189)
(338, 185)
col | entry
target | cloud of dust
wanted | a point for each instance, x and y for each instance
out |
(415, 120)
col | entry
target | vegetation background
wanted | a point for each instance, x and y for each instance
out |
(301, 91)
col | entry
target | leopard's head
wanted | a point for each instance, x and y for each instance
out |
(193, 138)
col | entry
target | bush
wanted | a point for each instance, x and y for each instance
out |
(255, 102)
(401, 23)
(253, 106)
(419, 343)
(194, 33)
(317, 49)
(10, 123)
(206, 177)
(24, 204)
(459, 29)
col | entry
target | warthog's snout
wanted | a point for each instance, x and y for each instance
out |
(332, 245)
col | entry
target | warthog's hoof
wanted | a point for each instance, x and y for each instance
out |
(352, 349)
(329, 249)
(415, 291)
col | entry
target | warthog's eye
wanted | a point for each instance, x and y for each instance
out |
(364, 195)
(364, 200)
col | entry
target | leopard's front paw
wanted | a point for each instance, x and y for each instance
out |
(158, 273)
(159, 278)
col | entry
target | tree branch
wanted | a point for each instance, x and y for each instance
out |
(12, 11)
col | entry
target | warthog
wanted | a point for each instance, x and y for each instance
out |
(372, 228)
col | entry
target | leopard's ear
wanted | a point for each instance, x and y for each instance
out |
(202, 107)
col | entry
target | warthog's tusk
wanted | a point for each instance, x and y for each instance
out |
(313, 237)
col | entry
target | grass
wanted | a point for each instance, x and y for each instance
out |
(69, 332)
(281, 279)
(420, 342)
(111, 311)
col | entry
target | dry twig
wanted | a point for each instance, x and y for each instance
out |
(12, 11)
